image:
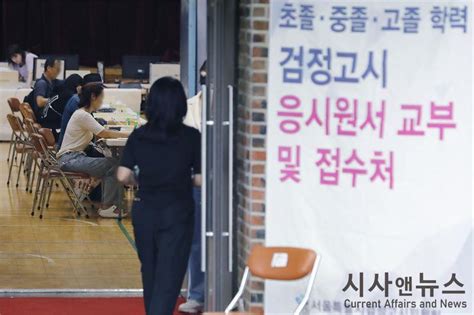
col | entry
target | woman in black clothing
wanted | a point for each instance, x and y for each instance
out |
(164, 158)
(66, 90)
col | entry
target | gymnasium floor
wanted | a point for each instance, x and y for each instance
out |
(60, 251)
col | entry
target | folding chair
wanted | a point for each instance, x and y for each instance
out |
(279, 263)
(14, 104)
(50, 171)
(31, 127)
(87, 182)
(20, 145)
(27, 112)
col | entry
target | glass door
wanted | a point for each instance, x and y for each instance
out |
(217, 218)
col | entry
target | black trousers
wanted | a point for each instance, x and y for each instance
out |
(164, 252)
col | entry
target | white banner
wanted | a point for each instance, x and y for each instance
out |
(369, 153)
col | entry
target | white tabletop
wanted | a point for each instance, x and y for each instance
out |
(119, 142)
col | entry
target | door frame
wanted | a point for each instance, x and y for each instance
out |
(218, 126)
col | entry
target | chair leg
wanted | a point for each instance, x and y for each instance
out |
(49, 193)
(28, 169)
(78, 207)
(11, 146)
(42, 196)
(48, 184)
(35, 166)
(26, 161)
(11, 164)
(19, 168)
(37, 192)
(70, 193)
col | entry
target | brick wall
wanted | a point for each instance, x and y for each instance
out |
(251, 137)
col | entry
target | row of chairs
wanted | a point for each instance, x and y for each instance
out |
(33, 150)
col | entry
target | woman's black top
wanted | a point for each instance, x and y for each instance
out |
(164, 167)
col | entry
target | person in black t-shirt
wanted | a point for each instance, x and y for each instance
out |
(164, 158)
(43, 96)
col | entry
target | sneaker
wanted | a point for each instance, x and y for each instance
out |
(111, 212)
(191, 306)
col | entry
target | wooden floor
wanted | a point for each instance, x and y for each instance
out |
(60, 251)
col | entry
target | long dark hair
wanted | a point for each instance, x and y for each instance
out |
(65, 90)
(166, 108)
(14, 49)
(87, 91)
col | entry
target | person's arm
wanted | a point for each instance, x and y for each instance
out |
(126, 176)
(128, 162)
(197, 180)
(30, 58)
(41, 101)
(40, 93)
(108, 134)
(89, 123)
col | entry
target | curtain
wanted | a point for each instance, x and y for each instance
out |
(94, 29)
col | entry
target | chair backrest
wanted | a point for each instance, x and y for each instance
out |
(39, 145)
(44, 152)
(14, 104)
(15, 124)
(48, 136)
(281, 263)
(30, 126)
(27, 112)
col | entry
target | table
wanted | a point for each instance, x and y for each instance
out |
(145, 87)
(123, 116)
(125, 119)
(115, 145)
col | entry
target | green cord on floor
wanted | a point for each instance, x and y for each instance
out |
(127, 235)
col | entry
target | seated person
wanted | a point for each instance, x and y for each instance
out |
(42, 99)
(21, 61)
(73, 104)
(65, 91)
(79, 132)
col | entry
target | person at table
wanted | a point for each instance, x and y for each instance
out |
(161, 158)
(66, 90)
(79, 133)
(21, 61)
(73, 103)
(42, 99)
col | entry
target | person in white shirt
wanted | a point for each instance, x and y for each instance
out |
(81, 129)
(193, 116)
(21, 61)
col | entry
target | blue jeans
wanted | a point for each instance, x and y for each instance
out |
(104, 168)
(196, 276)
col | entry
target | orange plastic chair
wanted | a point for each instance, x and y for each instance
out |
(279, 263)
